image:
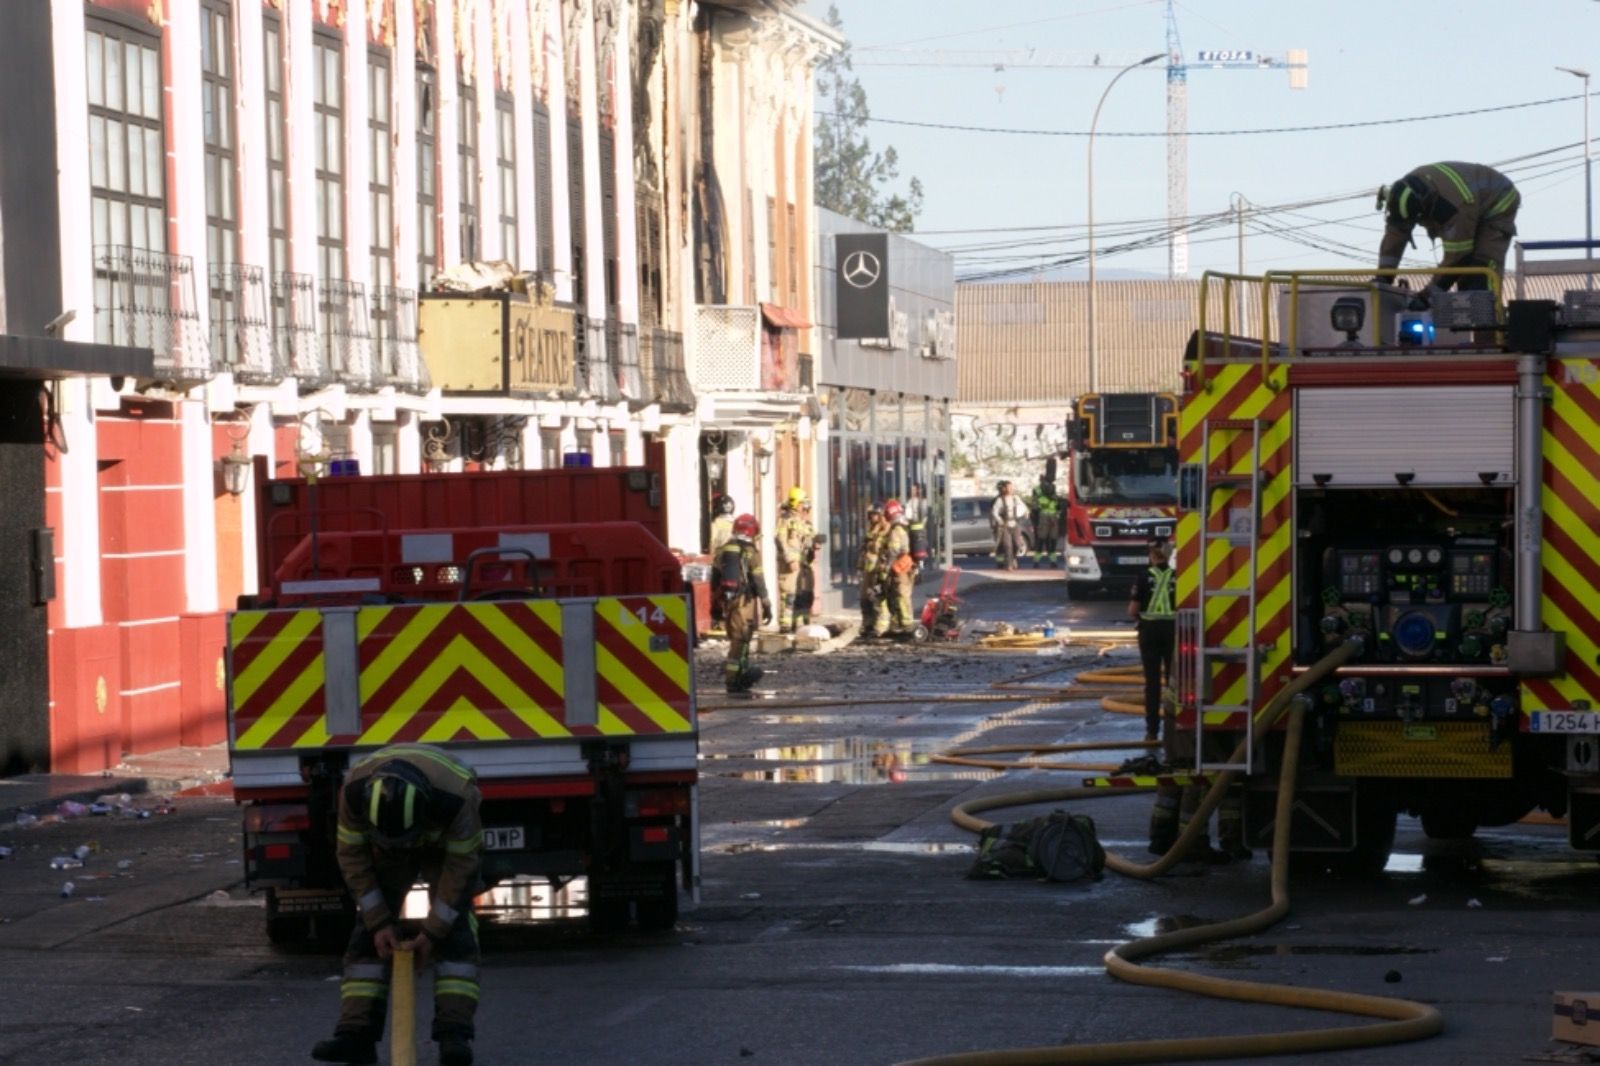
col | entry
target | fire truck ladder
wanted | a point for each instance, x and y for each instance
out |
(1242, 529)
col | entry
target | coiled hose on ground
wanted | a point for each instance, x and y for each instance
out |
(1402, 1019)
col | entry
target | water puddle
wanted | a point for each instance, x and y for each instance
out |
(850, 761)
(526, 900)
(1157, 924)
(1401, 863)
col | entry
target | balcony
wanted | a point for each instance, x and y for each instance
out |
(666, 383)
(398, 359)
(622, 340)
(747, 362)
(145, 299)
(241, 328)
(591, 367)
(347, 333)
(294, 330)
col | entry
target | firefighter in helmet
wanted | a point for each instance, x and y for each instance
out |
(1046, 523)
(721, 523)
(873, 618)
(898, 567)
(743, 591)
(795, 541)
(1471, 209)
(408, 812)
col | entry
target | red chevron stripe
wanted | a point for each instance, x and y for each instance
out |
(536, 629)
(1584, 618)
(1567, 548)
(633, 604)
(1581, 507)
(1236, 397)
(632, 718)
(1580, 395)
(1547, 694)
(310, 712)
(457, 623)
(638, 663)
(1571, 438)
(246, 652)
(462, 684)
(293, 665)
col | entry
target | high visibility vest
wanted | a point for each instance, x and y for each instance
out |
(1159, 606)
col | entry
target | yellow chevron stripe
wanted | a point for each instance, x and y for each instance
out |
(524, 647)
(459, 654)
(463, 715)
(279, 648)
(400, 648)
(638, 693)
(676, 667)
(242, 624)
(284, 707)
(609, 724)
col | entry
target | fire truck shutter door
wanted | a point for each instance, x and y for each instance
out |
(1443, 436)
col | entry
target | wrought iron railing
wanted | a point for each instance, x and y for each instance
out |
(397, 359)
(347, 332)
(241, 326)
(622, 338)
(591, 366)
(145, 299)
(294, 330)
(666, 381)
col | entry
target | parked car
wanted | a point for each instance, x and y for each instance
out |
(970, 533)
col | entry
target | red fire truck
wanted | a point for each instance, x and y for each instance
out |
(1122, 484)
(534, 624)
(1420, 486)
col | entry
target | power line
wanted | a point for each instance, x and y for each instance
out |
(1320, 127)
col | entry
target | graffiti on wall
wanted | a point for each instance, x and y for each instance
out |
(984, 446)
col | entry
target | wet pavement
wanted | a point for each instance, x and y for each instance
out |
(835, 925)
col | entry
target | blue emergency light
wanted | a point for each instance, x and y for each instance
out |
(1415, 331)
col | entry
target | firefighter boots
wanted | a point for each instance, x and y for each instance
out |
(348, 1048)
(455, 1052)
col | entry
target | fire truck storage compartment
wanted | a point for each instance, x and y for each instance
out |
(1436, 436)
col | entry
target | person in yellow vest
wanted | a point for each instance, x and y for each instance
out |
(1153, 608)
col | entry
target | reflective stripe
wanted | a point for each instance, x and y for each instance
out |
(465, 846)
(1505, 203)
(444, 912)
(371, 901)
(1160, 603)
(457, 969)
(1405, 197)
(351, 836)
(1457, 246)
(363, 990)
(1456, 180)
(366, 971)
(449, 987)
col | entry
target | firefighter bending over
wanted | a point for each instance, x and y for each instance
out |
(795, 541)
(898, 567)
(406, 812)
(1471, 209)
(743, 591)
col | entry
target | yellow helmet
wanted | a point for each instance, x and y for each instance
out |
(797, 498)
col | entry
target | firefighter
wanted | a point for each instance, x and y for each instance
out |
(897, 568)
(721, 523)
(1151, 606)
(916, 505)
(743, 589)
(1471, 209)
(408, 811)
(794, 540)
(1009, 515)
(873, 618)
(1046, 523)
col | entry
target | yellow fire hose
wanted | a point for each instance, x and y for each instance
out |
(1402, 1019)
(403, 1009)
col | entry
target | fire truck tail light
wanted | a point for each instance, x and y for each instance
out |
(658, 803)
(276, 852)
(277, 818)
(656, 834)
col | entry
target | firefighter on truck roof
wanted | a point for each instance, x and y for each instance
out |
(1471, 209)
(409, 811)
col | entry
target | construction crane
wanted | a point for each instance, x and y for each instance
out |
(1294, 61)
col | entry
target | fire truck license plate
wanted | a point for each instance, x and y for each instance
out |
(1129, 560)
(509, 838)
(1564, 722)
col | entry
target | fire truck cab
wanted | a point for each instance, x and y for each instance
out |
(1122, 484)
(1427, 482)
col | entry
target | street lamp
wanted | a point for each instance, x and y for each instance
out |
(1093, 354)
(1588, 186)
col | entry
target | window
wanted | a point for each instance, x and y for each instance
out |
(385, 448)
(380, 187)
(575, 215)
(506, 163)
(328, 129)
(216, 104)
(794, 259)
(467, 166)
(550, 449)
(543, 191)
(772, 250)
(619, 448)
(127, 172)
(427, 175)
(277, 180)
(608, 220)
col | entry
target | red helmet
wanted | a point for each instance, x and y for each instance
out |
(746, 526)
(893, 511)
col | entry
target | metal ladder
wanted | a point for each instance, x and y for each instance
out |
(1246, 534)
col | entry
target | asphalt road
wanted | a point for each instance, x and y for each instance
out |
(835, 924)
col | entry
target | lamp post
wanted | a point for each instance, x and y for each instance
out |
(1093, 353)
(1588, 186)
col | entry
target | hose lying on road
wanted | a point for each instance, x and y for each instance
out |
(1402, 1019)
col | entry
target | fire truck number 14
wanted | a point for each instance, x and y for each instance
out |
(645, 615)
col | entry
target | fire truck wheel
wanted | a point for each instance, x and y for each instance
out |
(659, 914)
(1449, 825)
(1375, 825)
(286, 929)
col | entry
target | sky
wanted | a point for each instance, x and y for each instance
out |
(1364, 66)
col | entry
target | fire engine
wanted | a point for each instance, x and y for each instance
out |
(1122, 484)
(1427, 481)
(532, 623)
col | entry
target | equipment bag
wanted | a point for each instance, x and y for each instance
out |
(732, 578)
(1059, 846)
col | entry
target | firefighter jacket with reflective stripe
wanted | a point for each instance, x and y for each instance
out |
(451, 840)
(794, 537)
(1476, 192)
(1045, 500)
(738, 556)
(1157, 589)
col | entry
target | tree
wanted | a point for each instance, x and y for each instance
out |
(851, 178)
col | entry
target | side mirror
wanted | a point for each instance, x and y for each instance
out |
(1189, 480)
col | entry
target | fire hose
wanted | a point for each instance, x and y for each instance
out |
(1401, 1019)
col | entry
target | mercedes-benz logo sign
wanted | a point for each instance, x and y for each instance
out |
(862, 270)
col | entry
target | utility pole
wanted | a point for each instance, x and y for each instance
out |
(1238, 202)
